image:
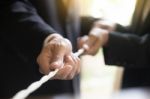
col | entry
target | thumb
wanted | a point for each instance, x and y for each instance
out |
(82, 41)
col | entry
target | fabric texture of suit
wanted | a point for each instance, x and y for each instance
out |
(22, 33)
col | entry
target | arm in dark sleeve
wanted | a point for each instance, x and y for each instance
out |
(123, 29)
(22, 27)
(127, 50)
(87, 24)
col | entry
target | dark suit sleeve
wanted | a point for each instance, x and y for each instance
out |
(87, 24)
(22, 27)
(127, 50)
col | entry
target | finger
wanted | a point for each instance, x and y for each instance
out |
(68, 49)
(57, 51)
(63, 73)
(95, 47)
(92, 39)
(57, 61)
(83, 41)
(89, 44)
(75, 65)
(69, 60)
(78, 65)
(43, 61)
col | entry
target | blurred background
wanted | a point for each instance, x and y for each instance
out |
(99, 81)
(119, 11)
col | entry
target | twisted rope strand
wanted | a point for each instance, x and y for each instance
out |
(37, 84)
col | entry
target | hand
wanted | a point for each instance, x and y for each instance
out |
(96, 39)
(57, 54)
(105, 24)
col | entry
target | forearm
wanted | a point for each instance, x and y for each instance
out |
(23, 27)
(127, 50)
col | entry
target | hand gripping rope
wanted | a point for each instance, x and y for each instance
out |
(35, 85)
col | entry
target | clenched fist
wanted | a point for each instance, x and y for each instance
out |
(96, 39)
(57, 54)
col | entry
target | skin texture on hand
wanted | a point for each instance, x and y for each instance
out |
(96, 39)
(105, 24)
(57, 54)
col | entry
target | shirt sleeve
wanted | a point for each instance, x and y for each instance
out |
(22, 27)
(127, 50)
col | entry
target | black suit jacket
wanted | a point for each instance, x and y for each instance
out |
(132, 51)
(22, 32)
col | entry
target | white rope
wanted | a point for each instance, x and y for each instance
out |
(35, 85)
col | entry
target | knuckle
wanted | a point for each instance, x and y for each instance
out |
(43, 71)
(79, 70)
(70, 77)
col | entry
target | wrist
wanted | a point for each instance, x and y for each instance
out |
(105, 37)
(105, 24)
(102, 34)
